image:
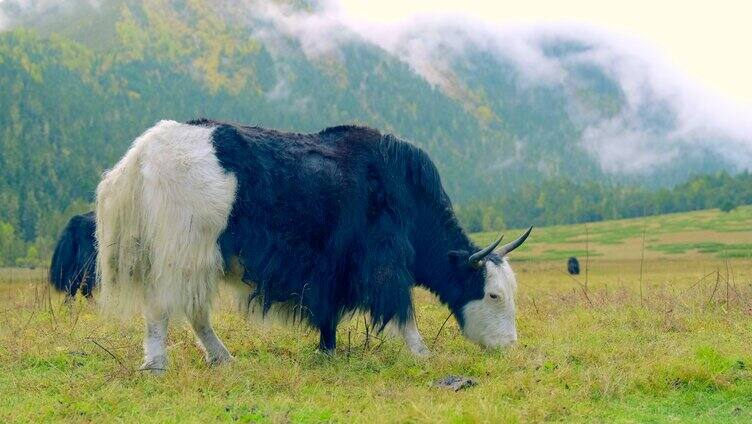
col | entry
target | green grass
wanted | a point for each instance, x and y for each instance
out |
(722, 250)
(664, 339)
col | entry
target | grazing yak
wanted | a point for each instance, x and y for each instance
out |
(321, 224)
(72, 265)
(573, 266)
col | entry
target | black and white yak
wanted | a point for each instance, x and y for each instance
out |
(72, 266)
(322, 224)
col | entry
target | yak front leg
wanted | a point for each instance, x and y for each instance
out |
(413, 339)
(215, 351)
(394, 300)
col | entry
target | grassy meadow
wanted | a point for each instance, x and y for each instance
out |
(657, 328)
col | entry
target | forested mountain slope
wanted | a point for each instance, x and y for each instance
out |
(80, 80)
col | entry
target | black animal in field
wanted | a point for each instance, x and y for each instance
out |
(73, 262)
(573, 266)
(322, 224)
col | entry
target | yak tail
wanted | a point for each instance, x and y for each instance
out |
(159, 212)
(72, 265)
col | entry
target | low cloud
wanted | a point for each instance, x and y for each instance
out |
(20, 12)
(663, 113)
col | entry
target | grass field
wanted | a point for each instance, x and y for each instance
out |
(655, 334)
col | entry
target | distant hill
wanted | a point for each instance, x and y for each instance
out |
(697, 235)
(80, 79)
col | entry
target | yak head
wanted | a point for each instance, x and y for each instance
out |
(487, 312)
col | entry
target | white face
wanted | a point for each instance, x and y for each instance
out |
(490, 321)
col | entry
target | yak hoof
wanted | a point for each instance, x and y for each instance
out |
(422, 352)
(220, 360)
(326, 352)
(155, 366)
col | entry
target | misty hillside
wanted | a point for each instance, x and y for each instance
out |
(80, 79)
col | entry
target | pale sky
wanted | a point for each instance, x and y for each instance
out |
(711, 42)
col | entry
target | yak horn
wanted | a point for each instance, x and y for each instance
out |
(515, 244)
(476, 257)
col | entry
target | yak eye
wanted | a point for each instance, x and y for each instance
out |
(493, 295)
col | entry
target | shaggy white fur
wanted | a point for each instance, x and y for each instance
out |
(491, 321)
(159, 213)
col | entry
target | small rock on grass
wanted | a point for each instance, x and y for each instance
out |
(455, 382)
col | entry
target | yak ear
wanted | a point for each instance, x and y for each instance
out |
(456, 256)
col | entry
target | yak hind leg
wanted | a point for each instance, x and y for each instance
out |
(215, 351)
(155, 341)
(328, 337)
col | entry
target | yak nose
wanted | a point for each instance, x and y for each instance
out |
(504, 343)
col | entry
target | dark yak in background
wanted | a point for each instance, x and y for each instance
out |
(73, 262)
(573, 266)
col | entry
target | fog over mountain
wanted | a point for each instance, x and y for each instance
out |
(645, 114)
